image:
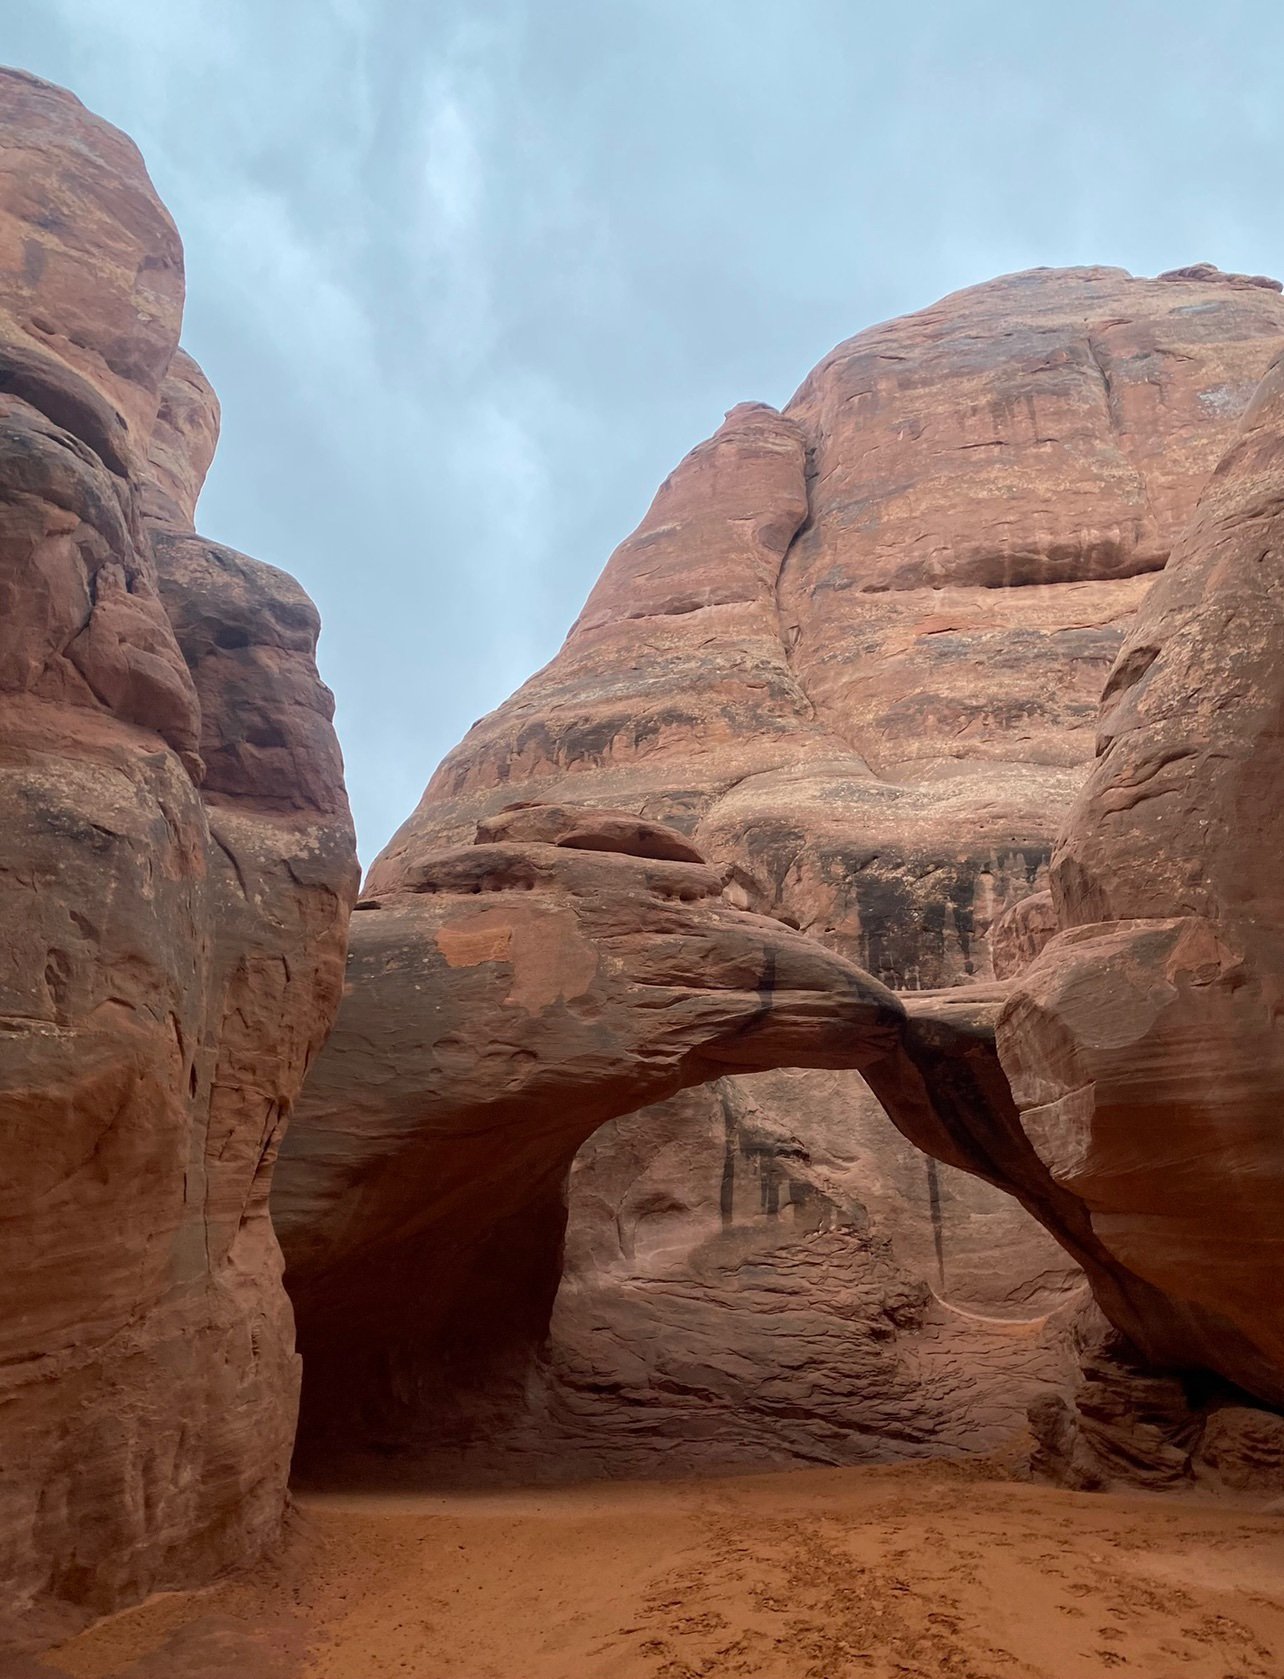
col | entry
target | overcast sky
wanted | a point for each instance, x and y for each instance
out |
(470, 276)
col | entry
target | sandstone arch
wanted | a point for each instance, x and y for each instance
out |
(508, 1000)
(854, 653)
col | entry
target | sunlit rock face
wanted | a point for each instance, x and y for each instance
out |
(854, 652)
(177, 865)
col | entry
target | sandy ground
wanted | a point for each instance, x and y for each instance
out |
(820, 1574)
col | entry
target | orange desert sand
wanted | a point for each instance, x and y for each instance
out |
(818, 1574)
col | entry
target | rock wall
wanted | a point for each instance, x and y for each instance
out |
(855, 651)
(1124, 1423)
(857, 648)
(750, 1279)
(1143, 1043)
(176, 867)
(505, 999)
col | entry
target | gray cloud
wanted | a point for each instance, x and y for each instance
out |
(470, 277)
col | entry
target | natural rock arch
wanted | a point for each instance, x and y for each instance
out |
(512, 997)
(855, 650)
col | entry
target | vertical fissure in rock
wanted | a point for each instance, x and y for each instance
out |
(934, 1209)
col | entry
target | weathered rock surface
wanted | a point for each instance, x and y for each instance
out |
(823, 713)
(1144, 1043)
(813, 653)
(733, 1295)
(176, 863)
(1124, 1423)
(503, 1002)
(855, 652)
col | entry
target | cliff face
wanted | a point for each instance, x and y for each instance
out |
(889, 611)
(176, 867)
(1144, 1044)
(855, 651)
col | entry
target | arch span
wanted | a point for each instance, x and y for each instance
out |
(507, 1000)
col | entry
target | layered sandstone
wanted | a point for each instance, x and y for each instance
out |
(504, 1001)
(854, 651)
(1143, 1043)
(1124, 1422)
(176, 872)
(857, 648)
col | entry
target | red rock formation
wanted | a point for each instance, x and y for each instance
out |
(1126, 1423)
(750, 1279)
(1144, 1044)
(92, 263)
(852, 654)
(176, 867)
(182, 445)
(855, 651)
(813, 652)
(504, 1000)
